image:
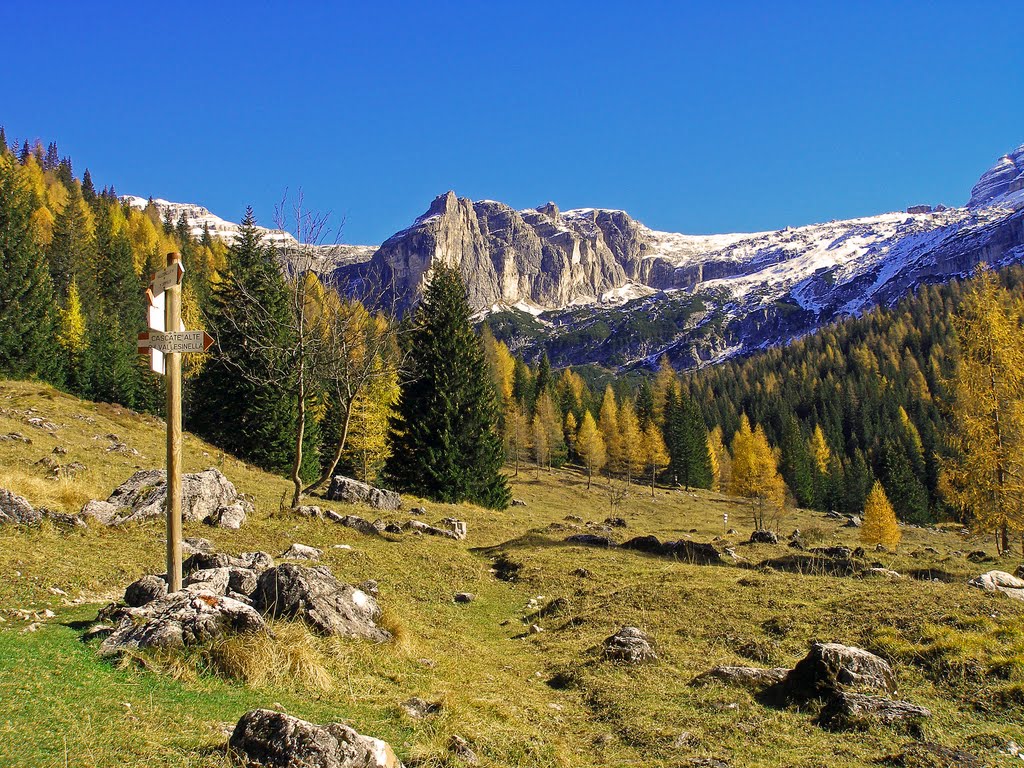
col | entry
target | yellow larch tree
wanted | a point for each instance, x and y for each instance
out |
(985, 475)
(721, 462)
(654, 451)
(665, 381)
(631, 441)
(591, 447)
(608, 423)
(879, 525)
(755, 474)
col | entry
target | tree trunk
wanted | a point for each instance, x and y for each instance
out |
(300, 434)
(652, 480)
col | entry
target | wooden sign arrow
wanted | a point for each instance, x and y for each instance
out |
(177, 341)
(165, 278)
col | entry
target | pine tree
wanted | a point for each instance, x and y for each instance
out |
(444, 439)
(26, 293)
(543, 375)
(985, 476)
(88, 190)
(590, 445)
(797, 465)
(907, 494)
(879, 525)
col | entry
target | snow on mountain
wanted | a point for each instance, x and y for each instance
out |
(200, 219)
(1002, 184)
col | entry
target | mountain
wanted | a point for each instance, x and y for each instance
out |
(596, 285)
(200, 219)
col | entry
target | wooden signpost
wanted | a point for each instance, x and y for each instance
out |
(165, 348)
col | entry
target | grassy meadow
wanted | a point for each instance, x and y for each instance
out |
(520, 697)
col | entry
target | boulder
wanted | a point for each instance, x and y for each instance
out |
(145, 590)
(456, 526)
(230, 516)
(102, 512)
(1019, 573)
(301, 552)
(831, 667)
(615, 522)
(748, 677)
(629, 644)
(648, 544)
(421, 527)
(693, 552)
(315, 596)
(853, 521)
(16, 509)
(204, 495)
(215, 580)
(354, 522)
(590, 540)
(309, 511)
(464, 597)
(860, 711)
(201, 561)
(354, 492)
(181, 619)
(764, 537)
(518, 503)
(264, 738)
(1000, 581)
(194, 544)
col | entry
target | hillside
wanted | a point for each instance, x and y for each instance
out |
(520, 698)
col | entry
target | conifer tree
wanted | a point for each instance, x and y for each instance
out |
(569, 434)
(654, 451)
(755, 473)
(985, 476)
(879, 525)
(236, 381)
(590, 445)
(444, 438)
(608, 423)
(797, 463)
(26, 293)
(541, 440)
(630, 441)
(721, 460)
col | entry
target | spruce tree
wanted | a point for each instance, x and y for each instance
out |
(445, 441)
(236, 405)
(26, 294)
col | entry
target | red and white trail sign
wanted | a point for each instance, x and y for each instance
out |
(180, 341)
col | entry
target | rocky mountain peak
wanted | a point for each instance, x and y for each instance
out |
(446, 203)
(550, 210)
(1003, 183)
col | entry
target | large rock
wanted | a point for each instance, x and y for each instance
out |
(181, 619)
(831, 667)
(202, 561)
(16, 509)
(764, 537)
(629, 644)
(145, 590)
(693, 552)
(1000, 581)
(267, 739)
(315, 596)
(420, 527)
(861, 711)
(748, 677)
(207, 496)
(354, 492)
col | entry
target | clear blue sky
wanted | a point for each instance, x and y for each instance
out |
(694, 117)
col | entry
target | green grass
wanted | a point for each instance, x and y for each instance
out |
(957, 651)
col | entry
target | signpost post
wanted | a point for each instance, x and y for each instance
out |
(166, 341)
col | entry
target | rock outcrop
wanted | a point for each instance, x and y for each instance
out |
(264, 738)
(180, 619)
(861, 711)
(356, 492)
(1000, 581)
(831, 667)
(315, 596)
(1000, 182)
(16, 509)
(207, 496)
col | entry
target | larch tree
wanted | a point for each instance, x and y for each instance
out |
(630, 441)
(541, 439)
(591, 447)
(755, 473)
(569, 429)
(985, 475)
(608, 423)
(879, 524)
(445, 442)
(654, 451)
(721, 461)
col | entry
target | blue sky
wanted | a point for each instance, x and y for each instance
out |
(694, 117)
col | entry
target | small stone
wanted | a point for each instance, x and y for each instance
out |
(764, 537)
(856, 710)
(301, 552)
(418, 708)
(629, 644)
(418, 511)
(460, 748)
(464, 597)
(518, 503)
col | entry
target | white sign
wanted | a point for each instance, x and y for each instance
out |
(165, 278)
(179, 341)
